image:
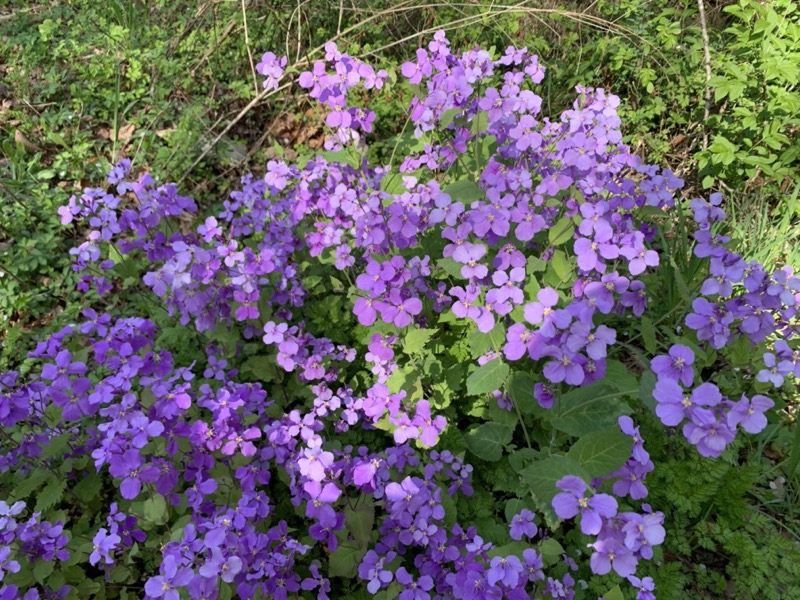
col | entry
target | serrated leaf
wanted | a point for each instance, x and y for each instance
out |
(486, 441)
(541, 478)
(30, 483)
(561, 232)
(88, 487)
(416, 340)
(50, 495)
(591, 408)
(487, 378)
(602, 452)
(56, 446)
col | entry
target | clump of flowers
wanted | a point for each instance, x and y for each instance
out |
(284, 459)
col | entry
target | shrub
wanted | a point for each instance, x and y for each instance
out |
(410, 381)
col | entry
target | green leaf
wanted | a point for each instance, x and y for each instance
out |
(551, 551)
(562, 267)
(359, 522)
(602, 452)
(620, 378)
(646, 388)
(42, 569)
(487, 378)
(520, 388)
(448, 116)
(449, 266)
(416, 340)
(649, 335)
(541, 478)
(465, 191)
(50, 495)
(614, 594)
(591, 408)
(30, 483)
(486, 441)
(561, 232)
(155, 510)
(345, 560)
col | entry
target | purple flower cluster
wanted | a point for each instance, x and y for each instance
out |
(245, 466)
(622, 539)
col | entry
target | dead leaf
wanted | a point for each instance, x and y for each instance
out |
(125, 133)
(20, 138)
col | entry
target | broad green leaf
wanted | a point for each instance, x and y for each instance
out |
(480, 123)
(481, 343)
(614, 594)
(416, 340)
(50, 495)
(155, 510)
(602, 452)
(562, 267)
(513, 548)
(449, 266)
(486, 441)
(465, 191)
(487, 378)
(649, 335)
(646, 388)
(359, 521)
(550, 550)
(448, 116)
(541, 478)
(344, 561)
(591, 408)
(42, 569)
(520, 388)
(620, 378)
(561, 232)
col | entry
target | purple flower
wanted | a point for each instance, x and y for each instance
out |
(573, 501)
(504, 569)
(373, 571)
(749, 414)
(677, 366)
(644, 587)
(102, 546)
(522, 525)
(608, 554)
(775, 371)
(543, 312)
(469, 255)
(172, 576)
(674, 405)
(709, 435)
(414, 589)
